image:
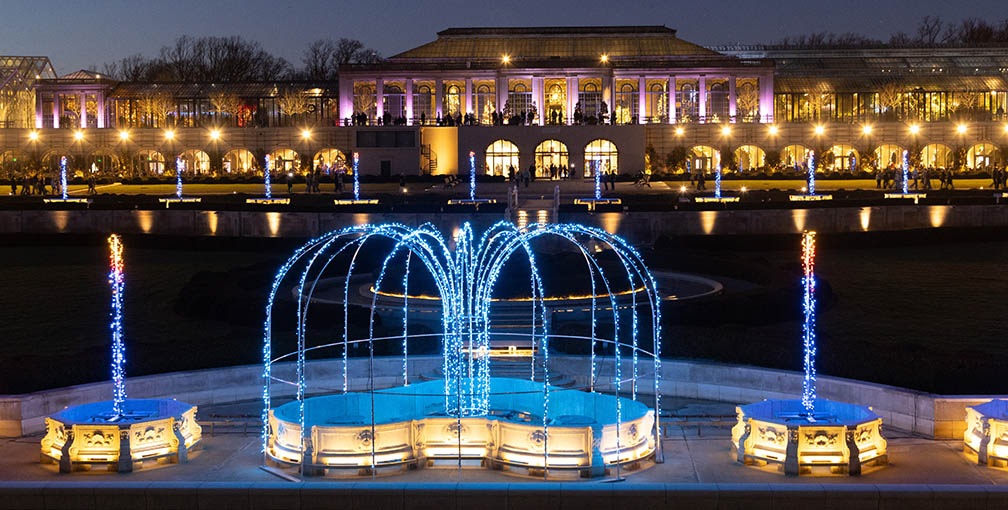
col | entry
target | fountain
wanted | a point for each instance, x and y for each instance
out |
(472, 188)
(467, 415)
(357, 200)
(63, 188)
(122, 432)
(905, 187)
(178, 198)
(269, 199)
(809, 434)
(810, 194)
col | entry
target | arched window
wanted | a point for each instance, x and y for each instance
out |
(501, 158)
(936, 155)
(394, 101)
(555, 99)
(656, 102)
(841, 158)
(548, 154)
(687, 102)
(423, 104)
(330, 160)
(795, 156)
(600, 154)
(238, 161)
(485, 103)
(626, 103)
(590, 98)
(195, 161)
(979, 156)
(11, 162)
(717, 102)
(520, 98)
(150, 162)
(704, 158)
(284, 160)
(749, 158)
(888, 155)
(452, 100)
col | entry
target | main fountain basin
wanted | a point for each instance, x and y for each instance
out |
(88, 435)
(841, 436)
(986, 433)
(411, 426)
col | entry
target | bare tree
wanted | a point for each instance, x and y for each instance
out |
(156, 107)
(889, 96)
(293, 103)
(318, 60)
(226, 103)
(929, 31)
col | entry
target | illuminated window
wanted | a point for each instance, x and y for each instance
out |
(501, 158)
(749, 158)
(602, 153)
(548, 154)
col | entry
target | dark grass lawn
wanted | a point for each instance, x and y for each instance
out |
(929, 314)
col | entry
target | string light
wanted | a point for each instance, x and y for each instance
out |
(356, 176)
(808, 326)
(179, 166)
(117, 282)
(811, 173)
(266, 177)
(906, 170)
(717, 181)
(598, 179)
(465, 276)
(63, 177)
(472, 175)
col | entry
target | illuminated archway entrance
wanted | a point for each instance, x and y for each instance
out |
(501, 158)
(548, 154)
(601, 152)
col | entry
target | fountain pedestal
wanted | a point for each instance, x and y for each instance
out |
(986, 433)
(840, 437)
(89, 435)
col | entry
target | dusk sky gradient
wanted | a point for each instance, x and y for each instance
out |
(77, 34)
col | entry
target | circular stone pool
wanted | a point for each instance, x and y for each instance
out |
(410, 427)
(839, 436)
(81, 437)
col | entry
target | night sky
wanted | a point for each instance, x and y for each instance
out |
(77, 34)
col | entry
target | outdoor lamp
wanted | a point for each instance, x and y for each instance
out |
(169, 134)
(78, 135)
(124, 135)
(33, 135)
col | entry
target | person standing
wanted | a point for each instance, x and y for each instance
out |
(612, 179)
(339, 180)
(290, 183)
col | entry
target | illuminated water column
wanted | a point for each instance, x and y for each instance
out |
(117, 281)
(808, 326)
(63, 179)
(356, 176)
(178, 176)
(266, 177)
(717, 181)
(906, 170)
(811, 173)
(598, 179)
(472, 175)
